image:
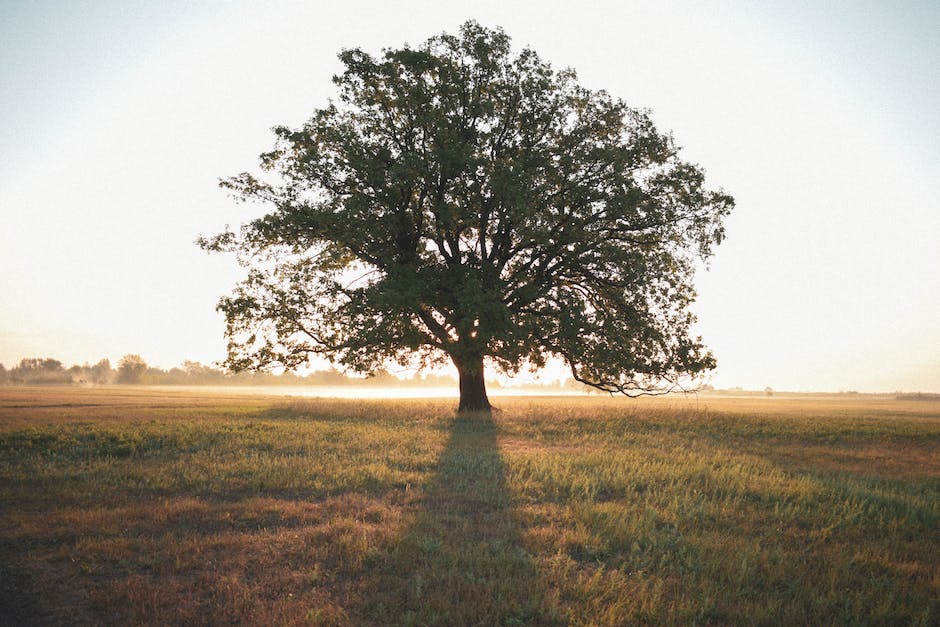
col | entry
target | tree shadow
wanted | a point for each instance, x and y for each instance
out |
(462, 560)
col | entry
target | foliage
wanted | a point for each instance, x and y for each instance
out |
(100, 373)
(462, 201)
(131, 369)
(38, 371)
(48, 371)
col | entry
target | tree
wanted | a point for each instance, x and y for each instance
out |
(131, 369)
(101, 372)
(40, 371)
(461, 201)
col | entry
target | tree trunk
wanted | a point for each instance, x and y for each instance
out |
(472, 386)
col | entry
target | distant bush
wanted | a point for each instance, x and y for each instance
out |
(919, 396)
(39, 371)
(132, 369)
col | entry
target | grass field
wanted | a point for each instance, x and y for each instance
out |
(129, 506)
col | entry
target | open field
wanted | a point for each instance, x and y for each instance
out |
(137, 506)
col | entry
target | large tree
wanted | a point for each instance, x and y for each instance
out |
(459, 200)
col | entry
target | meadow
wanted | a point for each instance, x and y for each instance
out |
(136, 506)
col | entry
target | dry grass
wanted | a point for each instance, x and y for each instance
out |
(126, 506)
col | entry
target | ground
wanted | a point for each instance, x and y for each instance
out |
(130, 505)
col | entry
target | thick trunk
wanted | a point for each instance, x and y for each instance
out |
(472, 386)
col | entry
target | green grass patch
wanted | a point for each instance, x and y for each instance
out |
(154, 508)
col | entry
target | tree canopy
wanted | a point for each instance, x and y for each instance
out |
(459, 200)
(131, 369)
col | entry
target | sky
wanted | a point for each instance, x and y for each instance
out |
(118, 118)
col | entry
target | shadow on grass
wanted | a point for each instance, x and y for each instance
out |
(461, 561)
(18, 603)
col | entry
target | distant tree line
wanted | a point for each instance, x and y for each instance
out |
(133, 370)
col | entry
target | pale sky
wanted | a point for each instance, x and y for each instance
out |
(118, 118)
